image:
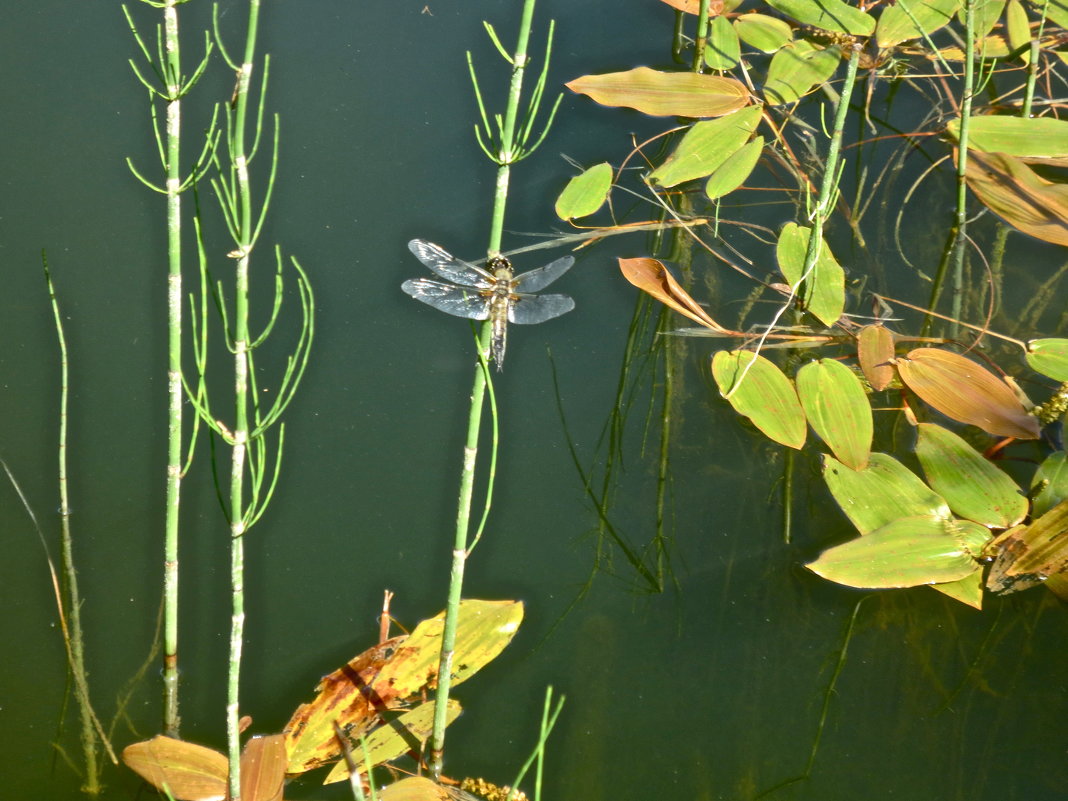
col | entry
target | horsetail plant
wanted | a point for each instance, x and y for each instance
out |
(170, 87)
(253, 471)
(511, 143)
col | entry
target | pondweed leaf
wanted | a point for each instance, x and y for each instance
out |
(723, 51)
(706, 146)
(881, 493)
(664, 94)
(764, 33)
(1023, 137)
(733, 172)
(965, 391)
(797, 69)
(911, 19)
(1019, 195)
(759, 390)
(875, 350)
(823, 290)
(974, 488)
(828, 15)
(837, 409)
(1051, 481)
(585, 193)
(653, 278)
(1049, 357)
(1031, 554)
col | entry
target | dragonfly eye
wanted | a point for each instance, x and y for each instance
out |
(498, 263)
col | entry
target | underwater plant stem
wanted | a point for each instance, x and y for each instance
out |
(171, 719)
(509, 152)
(92, 784)
(960, 242)
(238, 516)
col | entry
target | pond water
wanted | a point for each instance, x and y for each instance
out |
(723, 685)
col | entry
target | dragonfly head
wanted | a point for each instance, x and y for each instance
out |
(500, 267)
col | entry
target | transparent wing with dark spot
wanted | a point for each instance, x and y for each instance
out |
(532, 309)
(440, 261)
(449, 298)
(537, 280)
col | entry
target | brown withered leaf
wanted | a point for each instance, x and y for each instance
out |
(263, 768)
(875, 349)
(653, 278)
(1019, 195)
(966, 391)
(1028, 555)
(348, 697)
(715, 7)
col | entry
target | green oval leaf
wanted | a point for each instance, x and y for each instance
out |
(823, 291)
(911, 19)
(905, 553)
(665, 94)
(765, 33)
(880, 493)
(1051, 480)
(585, 193)
(972, 486)
(1018, 28)
(968, 590)
(1049, 357)
(837, 407)
(706, 146)
(797, 69)
(759, 390)
(722, 49)
(828, 15)
(738, 166)
(967, 392)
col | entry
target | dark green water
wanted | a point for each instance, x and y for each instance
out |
(711, 690)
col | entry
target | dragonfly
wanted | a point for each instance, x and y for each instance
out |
(493, 292)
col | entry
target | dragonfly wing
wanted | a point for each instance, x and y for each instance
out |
(531, 309)
(440, 261)
(537, 280)
(448, 298)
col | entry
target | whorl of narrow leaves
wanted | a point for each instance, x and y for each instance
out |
(965, 391)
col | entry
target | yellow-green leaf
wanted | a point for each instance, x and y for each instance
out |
(985, 15)
(905, 553)
(733, 172)
(759, 390)
(875, 351)
(838, 410)
(1024, 137)
(823, 291)
(679, 94)
(1051, 481)
(1018, 29)
(1049, 357)
(706, 146)
(965, 391)
(1019, 195)
(764, 33)
(1032, 553)
(882, 492)
(828, 15)
(911, 19)
(968, 590)
(189, 772)
(797, 69)
(585, 193)
(722, 50)
(394, 739)
(973, 487)
(414, 788)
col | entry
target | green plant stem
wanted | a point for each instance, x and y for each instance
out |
(961, 240)
(238, 516)
(92, 784)
(173, 71)
(509, 152)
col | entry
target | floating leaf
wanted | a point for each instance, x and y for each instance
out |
(1023, 137)
(722, 50)
(764, 33)
(838, 410)
(965, 391)
(1019, 195)
(985, 15)
(911, 19)
(585, 193)
(738, 166)
(1018, 29)
(829, 15)
(1049, 357)
(1051, 480)
(414, 788)
(396, 738)
(679, 94)
(884, 491)
(905, 553)
(189, 772)
(972, 486)
(759, 390)
(653, 278)
(823, 292)
(797, 69)
(706, 146)
(875, 350)
(263, 768)
(968, 590)
(1030, 554)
